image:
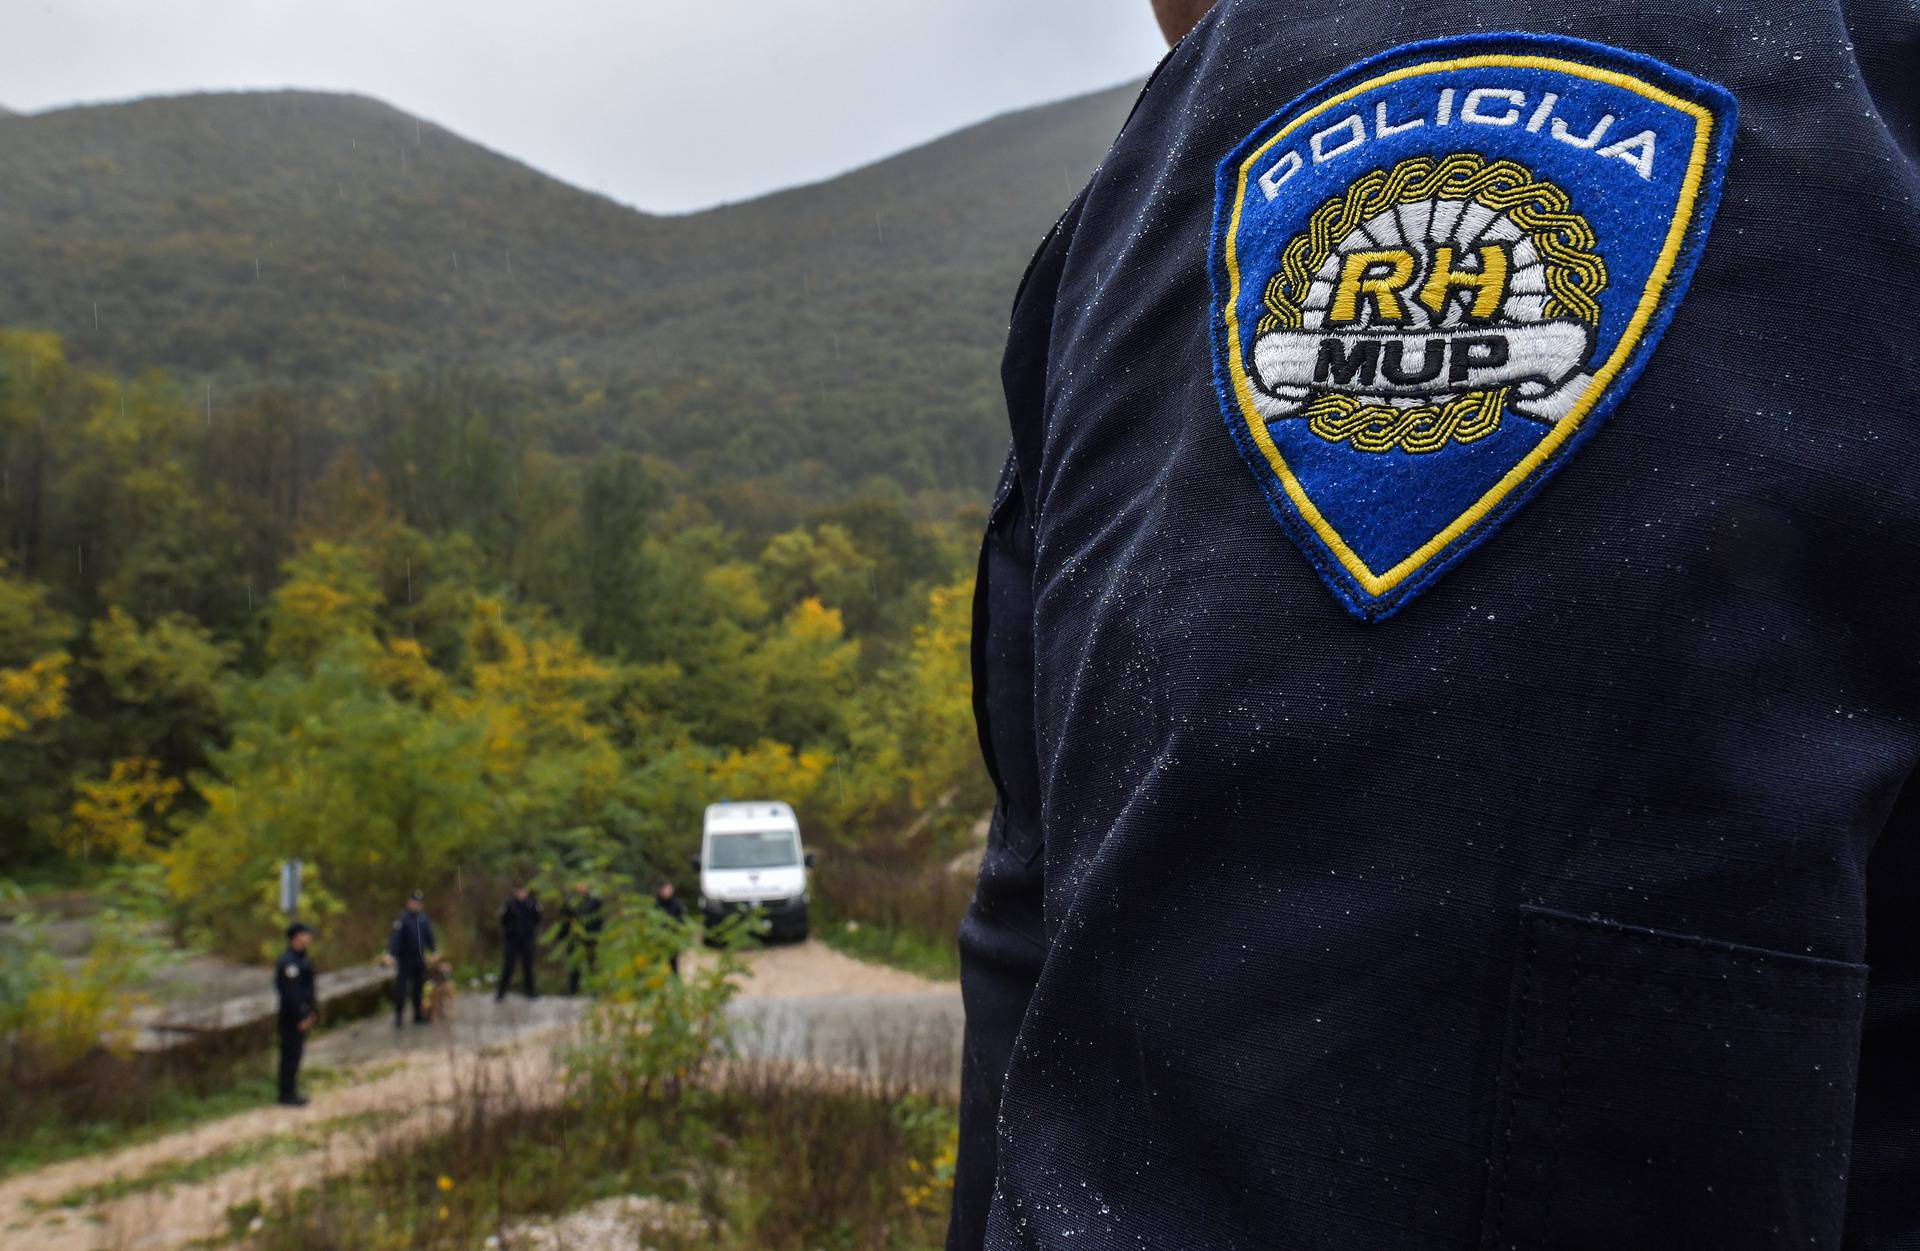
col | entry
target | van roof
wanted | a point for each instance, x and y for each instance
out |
(756, 812)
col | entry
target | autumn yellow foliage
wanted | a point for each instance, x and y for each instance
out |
(119, 815)
(32, 694)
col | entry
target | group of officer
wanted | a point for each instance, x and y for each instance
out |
(411, 947)
(520, 931)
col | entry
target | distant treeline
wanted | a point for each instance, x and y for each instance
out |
(422, 628)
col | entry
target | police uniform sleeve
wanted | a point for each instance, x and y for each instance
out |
(1883, 1198)
(1883, 1189)
(1003, 937)
(1002, 940)
(1437, 860)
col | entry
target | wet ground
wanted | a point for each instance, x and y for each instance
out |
(477, 1023)
(903, 1039)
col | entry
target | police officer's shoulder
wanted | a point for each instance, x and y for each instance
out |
(1552, 215)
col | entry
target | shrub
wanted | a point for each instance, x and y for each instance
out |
(650, 1030)
(54, 1015)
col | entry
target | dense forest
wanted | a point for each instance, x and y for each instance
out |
(370, 498)
(411, 665)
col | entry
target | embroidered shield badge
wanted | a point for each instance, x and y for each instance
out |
(1437, 272)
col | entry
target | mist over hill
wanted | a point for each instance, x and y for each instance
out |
(319, 241)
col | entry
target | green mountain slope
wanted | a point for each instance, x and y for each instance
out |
(319, 240)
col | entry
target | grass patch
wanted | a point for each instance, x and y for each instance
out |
(212, 1164)
(902, 949)
(134, 1104)
(903, 911)
(759, 1161)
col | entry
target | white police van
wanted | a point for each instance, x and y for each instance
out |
(750, 856)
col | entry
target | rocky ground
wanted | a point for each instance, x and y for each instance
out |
(611, 1225)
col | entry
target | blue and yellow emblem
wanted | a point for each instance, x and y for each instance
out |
(1437, 272)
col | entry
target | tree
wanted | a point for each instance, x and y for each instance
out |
(34, 672)
(329, 596)
(822, 564)
(164, 688)
(806, 670)
(121, 814)
(619, 496)
(934, 722)
(327, 765)
(361, 754)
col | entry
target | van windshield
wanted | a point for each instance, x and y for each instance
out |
(755, 849)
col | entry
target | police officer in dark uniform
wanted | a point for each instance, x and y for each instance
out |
(407, 950)
(664, 899)
(299, 1008)
(1445, 646)
(519, 931)
(585, 919)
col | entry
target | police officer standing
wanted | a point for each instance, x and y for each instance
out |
(663, 899)
(519, 929)
(584, 923)
(299, 1009)
(408, 947)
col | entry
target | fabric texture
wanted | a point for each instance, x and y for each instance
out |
(1573, 905)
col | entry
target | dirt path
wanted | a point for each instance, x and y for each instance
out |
(812, 969)
(405, 1083)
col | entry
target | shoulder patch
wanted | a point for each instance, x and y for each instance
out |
(1435, 273)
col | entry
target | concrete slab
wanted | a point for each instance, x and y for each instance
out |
(478, 1023)
(177, 1025)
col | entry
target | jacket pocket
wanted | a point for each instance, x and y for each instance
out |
(1661, 1090)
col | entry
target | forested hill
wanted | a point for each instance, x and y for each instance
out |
(320, 240)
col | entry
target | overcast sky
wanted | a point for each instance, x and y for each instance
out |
(667, 105)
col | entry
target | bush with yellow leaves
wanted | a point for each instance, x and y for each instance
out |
(934, 1129)
(54, 1014)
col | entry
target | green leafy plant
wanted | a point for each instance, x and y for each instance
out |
(53, 1013)
(651, 1031)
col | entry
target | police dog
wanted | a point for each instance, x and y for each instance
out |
(441, 991)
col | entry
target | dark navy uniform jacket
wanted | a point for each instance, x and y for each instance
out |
(520, 921)
(294, 987)
(1576, 904)
(412, 939)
